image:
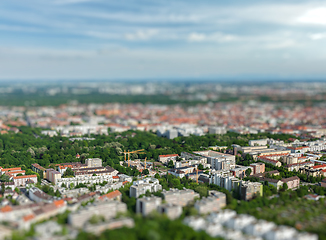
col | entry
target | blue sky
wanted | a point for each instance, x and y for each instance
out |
(125, 39)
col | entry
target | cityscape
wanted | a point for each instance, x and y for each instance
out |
(77, 170)
(159, 120)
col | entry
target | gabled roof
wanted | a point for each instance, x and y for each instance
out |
(290, 179)
(28, 217)
(111, 195)
(6, 208)
(25, 176)
(59, 203)
(169, 155)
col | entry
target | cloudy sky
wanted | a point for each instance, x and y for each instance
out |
(162, 39)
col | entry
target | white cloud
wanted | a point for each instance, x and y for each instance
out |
(314, 16)
(213, 37)
(317, 36)
(197, 37)
(282, 44)
(141, 34)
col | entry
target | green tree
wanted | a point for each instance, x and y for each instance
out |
(200, 167)
(145, 172)
(248, 172)
(170, 164)
(285, 187)
(68, 173)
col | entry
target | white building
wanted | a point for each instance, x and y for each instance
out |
(146, 205)
(142, 186)
(259, 142)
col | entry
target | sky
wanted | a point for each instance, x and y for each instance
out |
(162, 39)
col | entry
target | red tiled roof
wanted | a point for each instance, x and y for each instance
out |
(296, 148)
(294, 164)
(111, 195)
(267, 159)
(6, 209)
(10, 169)
(319, 166)
(125, 182)
(28, 217)
(169, 155)
(115, 177)
(59, 203)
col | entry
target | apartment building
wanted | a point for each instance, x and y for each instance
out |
(315, 171)
(23, 180)
(217, 160)
(258, 167)
(52, 175)
(297, 166)
(84, 179)
(147, 205)
(38, 195)
(213, 203)
(11, 171)
(93, 162)
(98, 171)
(165, 159)
(170, 210)
(302, 149)
(179, 197)
(106, 209)
(224, 179)
(38, 169)
(249, 190)
(142, 186)
(217, 130)
(240, 171)
(270, 161)
(259, 142)
(274, 182)
(292, 182)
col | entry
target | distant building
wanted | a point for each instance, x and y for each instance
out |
(52, 175)
(269, 161)
(167, 158)
(213, 203)
(218, 161)
(38, 169)
(258, 167)
(248, 190)
(179, 197)
(217, 130)
(50, 133)
(93, 162)
(38, 195)
(315, 171)
(170, 210)
(142, 186)
(115, 195)
(297, 166)
(240, 171)
(12, 171)
(259, 142)
(146, 205)
(172, 133)
(21, 180)
(107, 209)
(292, 182)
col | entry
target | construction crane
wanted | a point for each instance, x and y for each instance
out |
(197, 174)
(145, 162)
(136, 151)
